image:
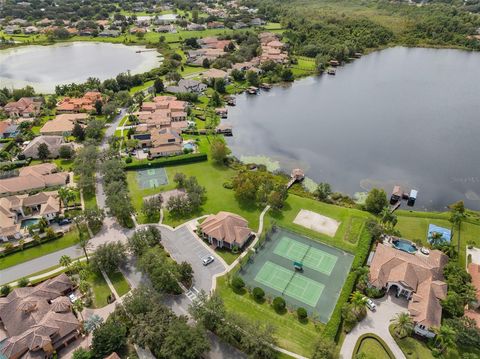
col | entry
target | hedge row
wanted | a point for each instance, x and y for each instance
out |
(374, 337)
(6, 253)
(167, 161)
(363, 248)
(8, 165)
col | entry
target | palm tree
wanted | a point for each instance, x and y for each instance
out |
(84, 287)
(21, 243)
(78, 306)
(66, 195)
(362, 275)
(402, 325)
(445, 337)
(84, 243)
(388, 218)
(359, 303)
(92, 323)
(436, 238)
(65, 261)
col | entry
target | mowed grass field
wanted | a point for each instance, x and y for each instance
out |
(414, 226)
(209, 175)
(290, 333)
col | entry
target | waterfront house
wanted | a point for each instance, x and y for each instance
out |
(212, 74)
(187, 86)
(86, 103)
(62, 125)
(416, 277)
(226, 230)
(54, 143)
(109, 33)
(164, 111)
(474, 271)
(38, 321)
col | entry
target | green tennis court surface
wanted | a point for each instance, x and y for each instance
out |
(316, 288)
(152, 178)
(290, 283)
(312, 258)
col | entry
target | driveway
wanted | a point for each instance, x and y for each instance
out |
(183, 245)
(377, 323)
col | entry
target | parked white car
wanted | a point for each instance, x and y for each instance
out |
(370, 304)
(207, 260)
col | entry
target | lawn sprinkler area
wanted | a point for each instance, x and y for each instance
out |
(152, 178)
(316, 287)
(316, 222)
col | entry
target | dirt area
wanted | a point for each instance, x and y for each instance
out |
(166, 195)
(316, 222)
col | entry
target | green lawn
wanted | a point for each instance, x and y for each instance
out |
(62, 164)
(68, 240)
(119, 283)
(150, 37)
(90, 201)
(100, 290)
(414, 225)
(345, 216)
(290, 333)
(373, 349)
(136, 89)
(209, 175)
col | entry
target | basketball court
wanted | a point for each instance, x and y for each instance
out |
(152, 178)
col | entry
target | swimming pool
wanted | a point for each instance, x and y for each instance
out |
(405, 246)
(189, 146)
(29, 222)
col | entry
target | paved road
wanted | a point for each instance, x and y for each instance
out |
(111, 231)
(377, 323)
(183, 246)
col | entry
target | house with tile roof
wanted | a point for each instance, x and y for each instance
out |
(62, 125)
(25, 107)
(226, 230)
(86, 103)
(164, 111)
(33, 178)
(54, 143)
(13, 209)
(38, 320)
(416, 277)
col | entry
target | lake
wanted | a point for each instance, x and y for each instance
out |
(398, 116)
(44, 67)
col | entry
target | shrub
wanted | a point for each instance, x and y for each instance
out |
(279, 304)
(128, 159)
(167, 161)
(5, 290)
(23, 282)
(302, 313)
(331, 329)
(258, 294)
(238, 283)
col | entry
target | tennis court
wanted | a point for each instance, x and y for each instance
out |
(316, 288)
(152, 178)
(312, 258)
(290, 283)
